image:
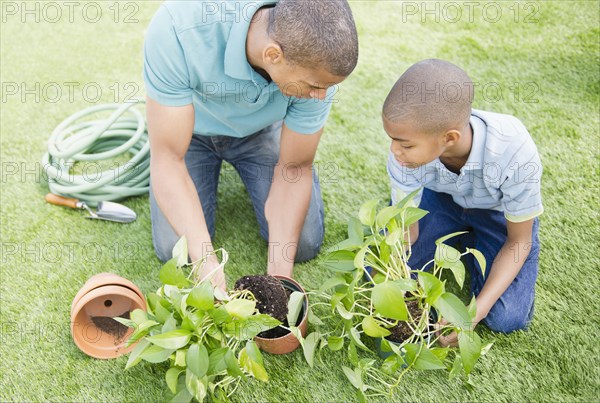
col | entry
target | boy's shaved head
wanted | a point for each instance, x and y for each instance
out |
(433, 94)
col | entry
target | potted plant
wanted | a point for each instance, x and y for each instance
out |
(284, 299)
(375, 293)
(206, 334)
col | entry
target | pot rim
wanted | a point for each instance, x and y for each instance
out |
(304, 304)
(114, 351)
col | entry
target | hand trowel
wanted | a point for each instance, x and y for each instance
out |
(109, 211)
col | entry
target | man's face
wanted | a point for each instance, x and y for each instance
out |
(301, 82)
(411, 147)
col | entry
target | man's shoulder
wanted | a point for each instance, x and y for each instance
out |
(196, 14)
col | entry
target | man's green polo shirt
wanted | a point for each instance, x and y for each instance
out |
(195, 53)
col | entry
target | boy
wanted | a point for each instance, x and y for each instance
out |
(480, 172)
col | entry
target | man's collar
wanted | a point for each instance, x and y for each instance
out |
(236, 60)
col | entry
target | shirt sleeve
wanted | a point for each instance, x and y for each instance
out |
(166, 75)
(521, 190)
(402, 182)
(308, 116)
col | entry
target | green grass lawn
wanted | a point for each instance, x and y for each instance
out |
(538, 61)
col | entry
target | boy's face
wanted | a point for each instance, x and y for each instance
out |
(410, 146)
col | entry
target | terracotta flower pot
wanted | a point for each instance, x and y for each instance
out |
(101, 298)
(289, 342)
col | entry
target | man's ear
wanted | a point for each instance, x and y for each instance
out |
(451, 137)
(273, 54)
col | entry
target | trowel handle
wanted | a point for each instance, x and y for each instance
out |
(63, 201)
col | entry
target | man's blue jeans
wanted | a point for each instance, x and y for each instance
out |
(487, 233)
(254, 158)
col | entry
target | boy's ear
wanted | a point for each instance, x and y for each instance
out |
(451, 137)
(273, 54)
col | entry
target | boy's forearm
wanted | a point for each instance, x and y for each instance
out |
(504, 270)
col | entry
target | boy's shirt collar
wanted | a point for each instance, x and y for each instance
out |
(479, 130)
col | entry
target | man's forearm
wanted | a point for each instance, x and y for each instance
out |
(285, 210)
(178, 200)
(504, 270)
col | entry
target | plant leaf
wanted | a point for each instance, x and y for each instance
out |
(170, 274)
(240, 308)
(470, 348)
(340, 261)
(294, 307)
(216, 361)
(448, 257)
(456, 367)
(233, 365)
(156, 354)
(472, 308)
(180, 358)
(135, 355)
(480, 259)
(172, 376)
(309, 346)
(408, 199)
(385, 215)
(445, 238)
(314, 319)
(391, 364)
(197, 359)
(247, 329)
(453, 310)
(172, 340)
(388, 300)
(432, 286)
(366, 214)
(355, 231)
(343, 311)
(335, 343)
(251, 360)
(355, 337)
(352, 354)
(180, 252)
(372, 328)
(202, 297)
(413, 214)
(422, 358)
(354, 378)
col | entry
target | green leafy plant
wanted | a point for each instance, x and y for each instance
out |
(375, 293)
(205, 334)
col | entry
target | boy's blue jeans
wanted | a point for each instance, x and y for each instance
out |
(254, 158)
(487, 233)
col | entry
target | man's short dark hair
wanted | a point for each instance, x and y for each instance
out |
(435, 94)
(316, 33)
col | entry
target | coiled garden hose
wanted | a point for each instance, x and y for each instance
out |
(77, 146)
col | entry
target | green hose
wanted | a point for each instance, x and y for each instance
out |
(74, 144)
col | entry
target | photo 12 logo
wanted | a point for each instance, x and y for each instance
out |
(72, 11)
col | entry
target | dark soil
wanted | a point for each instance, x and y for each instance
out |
(402, 331)
(108, 325)
(271, 299)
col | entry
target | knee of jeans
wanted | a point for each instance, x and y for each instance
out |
(502, 319)
(163, 249)
(309, 246)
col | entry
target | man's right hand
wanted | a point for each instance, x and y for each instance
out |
(170, 131)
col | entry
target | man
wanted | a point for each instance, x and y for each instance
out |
(249, 83)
